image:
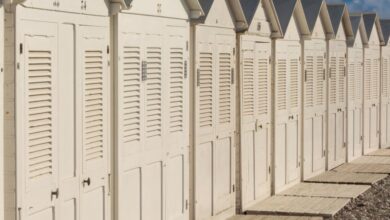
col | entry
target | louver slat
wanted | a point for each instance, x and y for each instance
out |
(225, 88)
(341, 80)
(176, 92)
(333, 80)
(351, 82)
(294, 83)
(320, 97)
(358, 78)
(205, 90)
(309, 82)
(40, 107)
(93, 105)
(131, 94)
(153, 92)
(263, 86)
(248, 87)
(367, 79)
(281, 80)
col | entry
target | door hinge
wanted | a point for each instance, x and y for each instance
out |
(187, 46)
(21, 48)
(232, 76)
(185, 69)
(234, 51)
(187, 204)
(144, 70)
(108, 49)
(270, 60)
(345, 144)
(198, 77)
(109, 184)
(324, 153)
(19, 213)
(233, 188)
(324, 77)
(269, 169)
(361, 138)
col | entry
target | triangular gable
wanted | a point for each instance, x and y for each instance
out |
(385, 25)
(318, 31)
(358, 30)
(339, 16)
(286, 10)
(371, 20)
(315, 11)
(260, 14)
(221, 10)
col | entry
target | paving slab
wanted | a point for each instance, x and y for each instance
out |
(326, 190)
(373, 160)
(347, 178)
(296, 205)
(364, 168)
(381, 152)
(273, 217)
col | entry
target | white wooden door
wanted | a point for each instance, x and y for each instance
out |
(44, 4)
(37, 123)
(371, 100)
(337, 107)
(215, 118)
(95, 123)
(355, 101)
(153, 118)
(287, 128)
(314, 126)
(255, 120)
(385, 99)
(176, 140)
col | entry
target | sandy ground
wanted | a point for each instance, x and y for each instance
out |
(373, 204)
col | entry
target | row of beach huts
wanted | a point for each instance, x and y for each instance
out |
(181, 109)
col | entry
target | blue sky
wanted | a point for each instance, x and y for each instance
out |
(382, 7)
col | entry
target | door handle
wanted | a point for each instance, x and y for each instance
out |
(55, 193)
(87, 181)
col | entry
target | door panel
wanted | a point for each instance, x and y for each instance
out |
(95, 123)
(38, 162)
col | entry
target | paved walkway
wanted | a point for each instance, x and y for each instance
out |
(325, 194)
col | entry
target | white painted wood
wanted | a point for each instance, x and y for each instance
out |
(153, 117)
(287, 109)
(371, 94)
(76, 6)
(64, 81)
(337, 94)
(314, 102)
(2, 81)
(255, 119)
(385, 98)
(355, 99)
(214, 121)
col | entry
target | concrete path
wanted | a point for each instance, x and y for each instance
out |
(364, 168)
(347, 177)
(373, 160)
(273, 217)
(326, 190)
(381, 152)
(296, 205)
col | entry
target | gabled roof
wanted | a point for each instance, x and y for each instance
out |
(250, 8)
(385, 25)
(371, 20)
(285, 10)
(234, 6)
(315, 9)
(339, 14)
(357, 25)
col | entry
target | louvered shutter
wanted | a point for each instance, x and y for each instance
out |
(375, 86)
(281, 83)
(248, 84)
(385, 78)
(359, 78)
(351, 80)
(205, 85)
(320, 81)
(225, 88)
(264, 84)
(38, 154)
(367, 79)
(333, 80)
(294, 83)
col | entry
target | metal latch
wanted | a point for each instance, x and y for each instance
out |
(198, 77)
(55, 193)
(144, 70)
(232, 76)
